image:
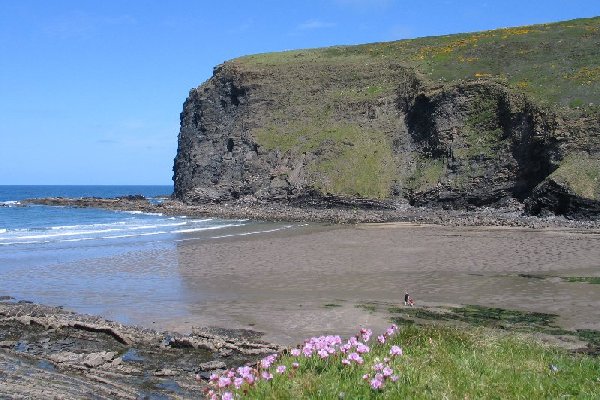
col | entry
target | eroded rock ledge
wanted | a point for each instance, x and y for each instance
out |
(332, 210)
(47, 352)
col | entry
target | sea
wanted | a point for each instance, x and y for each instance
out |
(117, 264)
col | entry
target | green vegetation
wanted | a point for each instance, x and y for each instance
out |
(496, 318)
(585, 279)
(482, 131)
(427, 174)
(442, 362)
(332, 305)
(367, 307)
(489, 317)
(581, 174)
(590, 335)
(351, 162)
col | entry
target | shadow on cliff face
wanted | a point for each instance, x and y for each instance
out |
(477, 145)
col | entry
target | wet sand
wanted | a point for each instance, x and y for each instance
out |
(309, 280)
(287, 285)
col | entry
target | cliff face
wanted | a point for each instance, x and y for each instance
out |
(458, 121)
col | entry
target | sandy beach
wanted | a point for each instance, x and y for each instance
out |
(311, 281)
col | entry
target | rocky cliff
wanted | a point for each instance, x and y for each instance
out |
(493, 118)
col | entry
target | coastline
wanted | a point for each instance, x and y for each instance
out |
(335, 277)
(448, 257)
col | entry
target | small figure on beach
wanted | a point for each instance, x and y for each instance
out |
(408, 301)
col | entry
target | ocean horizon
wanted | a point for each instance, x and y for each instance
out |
(22, 192)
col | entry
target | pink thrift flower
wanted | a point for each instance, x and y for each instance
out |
(362, 348)
(381, 339)
(345, 361)
(396, 351)
(267, 361)
(214, 377)
(238, 382)
(366, 334)
(266, 375)
(250, 379)
(387, 371)
(355, 357)
(224, 381)
(227, 396)
(307, 351)
(295, 352)
(280, 369)
(323, 353)
(366, 377)
(391, 330)
(394, 378)
(295, 365)
(378, 367)
(376, 384)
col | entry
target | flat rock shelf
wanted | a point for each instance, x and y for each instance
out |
(47, 352)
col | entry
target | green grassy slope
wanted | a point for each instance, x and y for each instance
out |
(555, 63)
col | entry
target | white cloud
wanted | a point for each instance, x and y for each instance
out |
(315, 24)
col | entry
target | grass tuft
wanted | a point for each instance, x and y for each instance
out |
(581, 174)
(584, 279)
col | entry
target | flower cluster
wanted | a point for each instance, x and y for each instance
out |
(382, 371)
(242, 377)
(323, 347)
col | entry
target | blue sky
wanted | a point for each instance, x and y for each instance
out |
(91, 90)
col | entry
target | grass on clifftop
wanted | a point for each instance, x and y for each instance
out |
(435, 362)
(555, 63)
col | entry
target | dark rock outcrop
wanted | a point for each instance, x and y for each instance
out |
(47, 352)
